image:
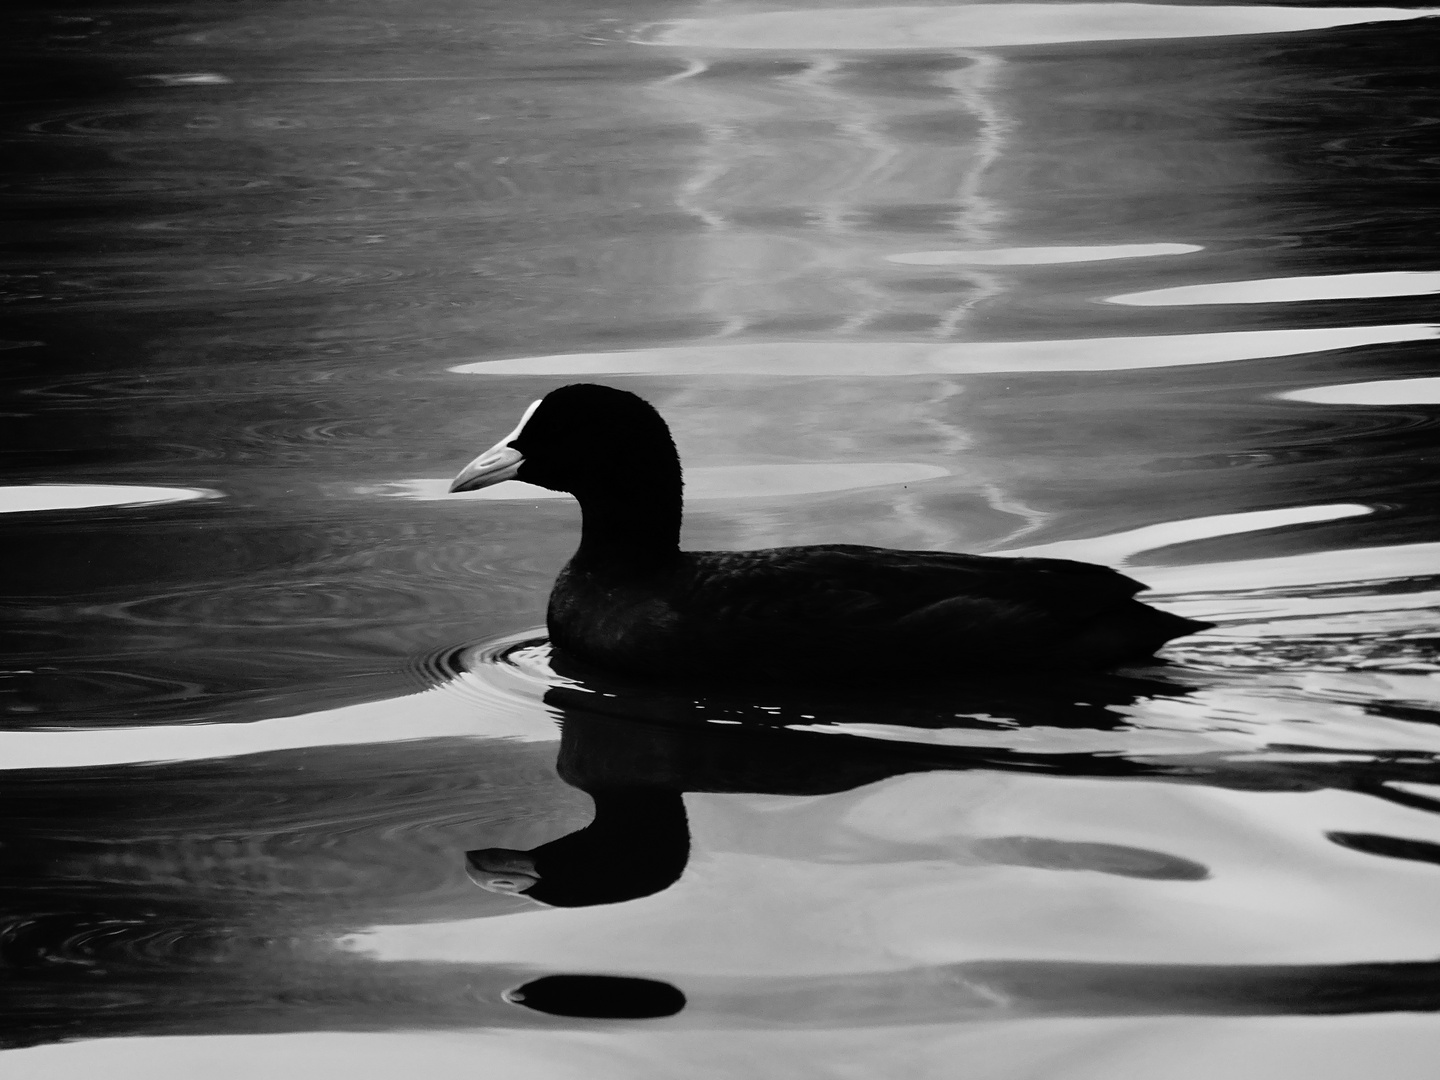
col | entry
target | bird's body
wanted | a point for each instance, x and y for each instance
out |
(632, 601)
(845, 610)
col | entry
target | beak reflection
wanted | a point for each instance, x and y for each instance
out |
(502, 870)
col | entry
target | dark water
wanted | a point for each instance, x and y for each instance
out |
(982, 278)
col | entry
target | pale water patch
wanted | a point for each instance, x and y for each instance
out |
(705, 482)
(882, 359)
(321, 1055)
(1117, 548)
(1385, 392)
(1266, 608)
(1290, 290)
(1088, 1048)
(1038, 256)
(36, 497)
(1349, 565)
(974, 26)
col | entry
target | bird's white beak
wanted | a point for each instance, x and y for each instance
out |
(501, 462)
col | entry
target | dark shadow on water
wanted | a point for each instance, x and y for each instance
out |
(884, 694)
(600, 997)
(1389, 847)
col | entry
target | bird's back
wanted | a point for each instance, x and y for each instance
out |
(846, 611)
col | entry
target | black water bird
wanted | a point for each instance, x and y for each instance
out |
(630, 600)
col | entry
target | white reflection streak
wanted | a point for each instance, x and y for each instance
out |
(448, 711)
(27, 498)
(909, 506)
(886, 359)
(859, 123)
(1290, 290)
(1425, 391)
(718, 147)
(861, 126)
(1009, 504)
(718, 134)
(978, 214)
(1117, 549)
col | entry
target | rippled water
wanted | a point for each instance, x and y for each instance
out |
(1148, 285)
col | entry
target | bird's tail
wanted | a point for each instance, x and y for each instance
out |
(1132, 631)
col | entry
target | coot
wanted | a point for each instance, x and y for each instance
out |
(631, 601)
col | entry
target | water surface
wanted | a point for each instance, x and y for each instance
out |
(1149, 285)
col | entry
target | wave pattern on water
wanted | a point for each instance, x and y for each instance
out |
(1077, 280)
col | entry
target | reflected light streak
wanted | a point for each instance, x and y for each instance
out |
(1344, 566)
(888, 359)
(500, 702)
(1387, 392)
(1118, 548)
(37, 497)
(975, 26)
(836, 179)
(978, 214)
(863, 129)
(1289, 290)
(1038, 256)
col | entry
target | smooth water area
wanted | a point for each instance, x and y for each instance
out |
(1148, 285)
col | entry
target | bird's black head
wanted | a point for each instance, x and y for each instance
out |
(585, 439)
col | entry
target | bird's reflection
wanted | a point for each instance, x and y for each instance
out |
(638, 844)
(635, 751)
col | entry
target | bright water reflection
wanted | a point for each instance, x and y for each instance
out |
(989, 25)
(258, 748)
(1291, 290)
(31, 498)
(1389, 392)
(1038, 256)
(886, 359)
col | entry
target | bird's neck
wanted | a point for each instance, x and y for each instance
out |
(628, 532)
(639, 810)
(638, 844)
